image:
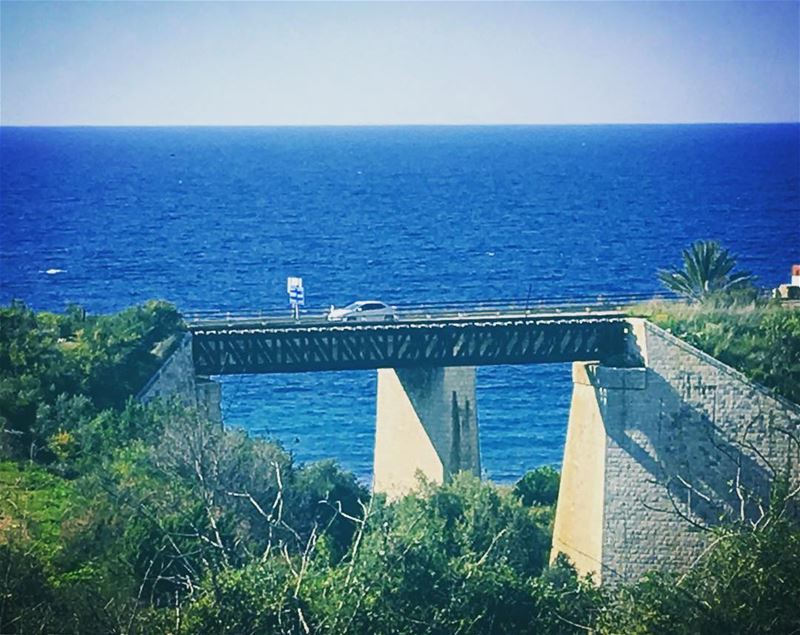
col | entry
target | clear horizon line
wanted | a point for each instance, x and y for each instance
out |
(397, 125)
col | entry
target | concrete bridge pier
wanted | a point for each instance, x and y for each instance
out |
(426, 423)
(633, 443)
(601, 397)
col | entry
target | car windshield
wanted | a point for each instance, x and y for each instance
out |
(353, 306)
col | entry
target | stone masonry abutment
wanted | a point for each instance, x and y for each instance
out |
(176, 379)
(657, 454)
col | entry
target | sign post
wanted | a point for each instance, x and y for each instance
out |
(294, 287)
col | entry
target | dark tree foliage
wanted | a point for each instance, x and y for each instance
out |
(462, 557)
(56, 370)
(33, 371)
(746, 583)
(538, 487)
(26, 599)
(321, 495)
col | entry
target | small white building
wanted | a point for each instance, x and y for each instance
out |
(790, 291)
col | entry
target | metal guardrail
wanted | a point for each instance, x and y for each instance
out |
(436, 310)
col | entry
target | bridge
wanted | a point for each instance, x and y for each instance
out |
(655, 426)
(422, 336)
(425, 357)
(257, 346)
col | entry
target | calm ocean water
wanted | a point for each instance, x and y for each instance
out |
(214, 218)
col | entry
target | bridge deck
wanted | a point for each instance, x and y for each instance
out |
(276, 345)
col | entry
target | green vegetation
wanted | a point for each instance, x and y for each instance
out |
(120, 518)
(729, 318)
(707, 272)
(539, 487)
(57, 371)
(33, 504)
(746, 583)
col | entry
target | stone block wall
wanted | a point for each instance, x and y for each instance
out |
(715, 426)
(686, 441)
(176, 379)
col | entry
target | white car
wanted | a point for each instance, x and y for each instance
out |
(363, 311)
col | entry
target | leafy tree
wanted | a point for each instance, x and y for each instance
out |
(118, 353)
(707, 270)
(48, 359)
(458, 557)
(257, 598)
(320, 495)
(565, 602)
(538, 487)
(33, 372)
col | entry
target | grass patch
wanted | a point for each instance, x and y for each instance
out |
(33, 506)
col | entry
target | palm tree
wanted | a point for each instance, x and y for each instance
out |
(706, 270)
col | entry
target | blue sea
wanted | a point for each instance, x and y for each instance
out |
(217, 218)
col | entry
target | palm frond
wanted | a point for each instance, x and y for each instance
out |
(707, 268)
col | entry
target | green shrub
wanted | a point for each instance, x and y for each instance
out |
(746, 583)
(59, 371)
(538, 487)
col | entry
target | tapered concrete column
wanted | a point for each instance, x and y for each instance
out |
(601, 498)
(578, 526)
(426, 423)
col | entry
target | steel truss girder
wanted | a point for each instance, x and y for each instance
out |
(245, 350)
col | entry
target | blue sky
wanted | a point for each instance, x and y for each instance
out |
(231, 63)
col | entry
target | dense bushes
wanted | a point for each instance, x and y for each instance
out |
(538, 487)
(226, 532)
(147, 525)
(746, 583)
(462, 556)
(223, 534)
(57, 371)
